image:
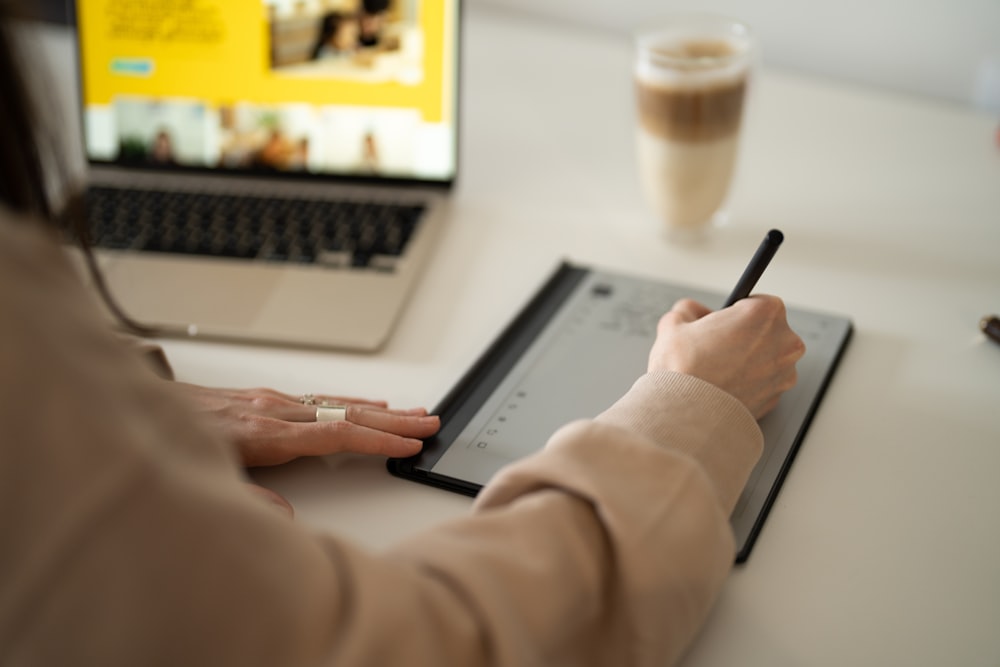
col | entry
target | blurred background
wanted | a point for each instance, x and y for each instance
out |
(948, 49)
(941, 48)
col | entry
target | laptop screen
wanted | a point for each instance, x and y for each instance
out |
(363, 88)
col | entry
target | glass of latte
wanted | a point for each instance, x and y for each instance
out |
(691, 76)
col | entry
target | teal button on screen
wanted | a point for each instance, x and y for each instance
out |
(132, 66)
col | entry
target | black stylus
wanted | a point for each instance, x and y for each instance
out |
(756, 267)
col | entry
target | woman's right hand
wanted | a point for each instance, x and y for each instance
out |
(747, 349)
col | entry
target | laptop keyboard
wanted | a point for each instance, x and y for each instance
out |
(339, 234)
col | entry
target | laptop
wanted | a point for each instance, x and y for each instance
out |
(271, 171)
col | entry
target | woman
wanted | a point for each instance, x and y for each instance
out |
(130, 536)
(338, 35)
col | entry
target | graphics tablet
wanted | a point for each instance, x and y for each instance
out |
(575, 348)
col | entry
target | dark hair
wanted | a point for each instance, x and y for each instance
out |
(328, 27)
(375, 6)
(29, 164)
(22, 177)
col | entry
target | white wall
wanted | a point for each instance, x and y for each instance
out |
(943, 48)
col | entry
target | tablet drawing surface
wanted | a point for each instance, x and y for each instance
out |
(577, 347)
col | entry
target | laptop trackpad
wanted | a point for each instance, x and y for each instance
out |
(178, 291)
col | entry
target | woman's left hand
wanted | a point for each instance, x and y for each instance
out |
(269, 427)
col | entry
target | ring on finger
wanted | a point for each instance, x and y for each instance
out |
(307, 399)
(331, 413)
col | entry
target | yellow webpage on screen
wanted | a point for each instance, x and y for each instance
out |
(353, 86)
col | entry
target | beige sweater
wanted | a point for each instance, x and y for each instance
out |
(127, 536)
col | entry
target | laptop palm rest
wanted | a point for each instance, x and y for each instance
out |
(282, 303)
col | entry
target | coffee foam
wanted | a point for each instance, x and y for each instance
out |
(691, 89)
(672, 61)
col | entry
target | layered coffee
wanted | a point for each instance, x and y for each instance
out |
(690, 94)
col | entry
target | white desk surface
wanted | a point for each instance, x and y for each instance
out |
(884, 544)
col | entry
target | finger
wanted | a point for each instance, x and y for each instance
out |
(352, 400)
(279, 405)
(685, 310)
(767, 305)
(318, 398)
(332, 437)
(307, 413)
(364, 440)
(380, 432)
(393, 421)
(369, 431)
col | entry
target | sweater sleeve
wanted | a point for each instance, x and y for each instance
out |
(130, 538)
(610, 546)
